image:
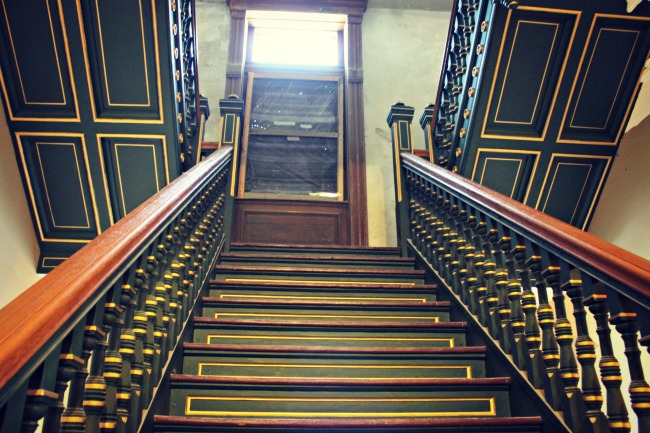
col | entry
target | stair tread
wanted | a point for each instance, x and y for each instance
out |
(340, 350)
(297, 382)
(350, 422)
(303, 303)
(330, 324)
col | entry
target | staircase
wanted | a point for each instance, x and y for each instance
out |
(307, 339)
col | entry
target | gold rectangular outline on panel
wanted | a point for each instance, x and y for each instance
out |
(466, 367)
(537, 154)
(434, 319)
(505, 78)
(42, 237)
(119, 169)
(144, 59)
(163, 139)
(10, 113)
(51, 258)
(490, 400)
(575, 13)
(209, 338)
(575, 83)
(47, 193)
(82, 32)
(577, 156)
(352, 283)
(320, 298)
(618, 90)
(340, 188)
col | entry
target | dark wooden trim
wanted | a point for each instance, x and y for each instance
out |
(322, 271)
(331, 325)
(431, 424)
(424, 288)
(307, 259)
(613, 263)
(355, 135)
(236, 54)
(49, 307)
(328, 6)
(411, 305)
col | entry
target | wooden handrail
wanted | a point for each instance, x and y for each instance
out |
(614, 262)
(48, 308)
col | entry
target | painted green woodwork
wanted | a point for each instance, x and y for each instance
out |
(93, 103)
(535, 99)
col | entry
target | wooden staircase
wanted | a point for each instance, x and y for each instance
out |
(307, 339)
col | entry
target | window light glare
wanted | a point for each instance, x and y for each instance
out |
(295, 47)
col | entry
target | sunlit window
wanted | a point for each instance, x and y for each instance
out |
(295, 46)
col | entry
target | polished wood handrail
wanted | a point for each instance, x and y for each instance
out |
(616, 263)
(47, 309)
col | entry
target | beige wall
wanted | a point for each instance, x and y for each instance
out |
(20, 250)
(402, 51)
(213, 29)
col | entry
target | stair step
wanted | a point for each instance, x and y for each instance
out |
(242, 247)
(335, 398)
(341, 362)
(322, 291)
(298, 309)
(178, 424)
(329, 333)
(294, 273)
(331, 260)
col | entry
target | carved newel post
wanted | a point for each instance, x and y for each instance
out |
(232, 109)
(399, 120)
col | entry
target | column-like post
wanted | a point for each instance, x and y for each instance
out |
(232, 109)
(425, 123)
(399, 120)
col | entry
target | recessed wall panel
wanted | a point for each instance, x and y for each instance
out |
(35, 62)
(505, 171)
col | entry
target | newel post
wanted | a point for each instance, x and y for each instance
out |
(426, 121)
(232, 109)
(399, 120)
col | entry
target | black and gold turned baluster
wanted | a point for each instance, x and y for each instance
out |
(457, 243)
(471, 282)
(490, 301)
(40, 395)
(112, 371)
(69, 362)
(429, 245)
(595, 420)
(573, 406)
(143, 330)
(480, 293)
(434, 223)
(95, 388)
(517, 323)
(440, 230)
(535, 367)
(496, 239)
(624, 318)
(610, 368)
(73, 419)
(461, 247)
(130, 387)
(553, 385)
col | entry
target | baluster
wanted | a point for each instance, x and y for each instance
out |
(113, 324)
(132, 377)
(534, 363)
(516, 322)
(95, 388)
(625, 321)
(491, 298)
(480, 293)
(610, 371)
(461, 246)
(595, 420)
(553, 386)
(472, 274)
(69, 362)
(73, 419)
(39, 397)
(503, 310)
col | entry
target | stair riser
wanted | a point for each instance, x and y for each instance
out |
(327, 337)
(336, 366)
(278, 402)
(316, 294)
(335, 314)
(356, 429)
(307, 251)
(336, 262)
(304, 276)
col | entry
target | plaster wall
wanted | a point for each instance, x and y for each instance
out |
(402, 55)
(20, 250)
(213, 30)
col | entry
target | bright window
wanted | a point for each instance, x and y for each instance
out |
(295, 46)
